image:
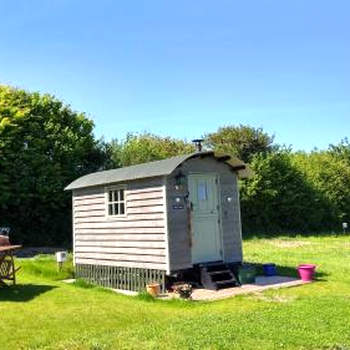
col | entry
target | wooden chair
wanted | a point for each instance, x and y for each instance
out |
(7, 262)
(7, 269)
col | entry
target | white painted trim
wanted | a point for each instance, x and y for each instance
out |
(221, 217)
(112, 188)
(166, 228)
(239, 216)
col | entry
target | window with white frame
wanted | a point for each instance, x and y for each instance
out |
(116, 205)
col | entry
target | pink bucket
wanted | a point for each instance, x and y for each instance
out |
(306, 271)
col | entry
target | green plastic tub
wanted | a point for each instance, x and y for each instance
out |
(246, 274)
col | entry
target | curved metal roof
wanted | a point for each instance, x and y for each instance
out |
(152, 169)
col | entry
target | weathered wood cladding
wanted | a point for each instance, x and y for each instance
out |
(126, 278)
(179, 235)
(136, 240)
(231, 218)
(156, 232)
(179, 219)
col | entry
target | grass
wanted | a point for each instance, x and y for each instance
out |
(44, 313)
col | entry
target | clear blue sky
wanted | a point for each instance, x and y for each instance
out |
(184, 68)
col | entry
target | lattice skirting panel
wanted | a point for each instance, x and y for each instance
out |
(127, 278)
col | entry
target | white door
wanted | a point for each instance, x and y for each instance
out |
(206, 242)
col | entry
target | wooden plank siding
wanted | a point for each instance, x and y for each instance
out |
(121, 244)
(137, 239)
(141, 265)
(231, 219)
(155, 233)
(178, 227)
(101, 237)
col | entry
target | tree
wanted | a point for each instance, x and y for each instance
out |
(280, 198)
(341, 150)
(146, 147)
(329, 174)
(44, 145)
(241, 141)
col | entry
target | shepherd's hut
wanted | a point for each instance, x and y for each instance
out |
(159, 220)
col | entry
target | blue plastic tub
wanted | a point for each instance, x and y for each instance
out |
(269, 269)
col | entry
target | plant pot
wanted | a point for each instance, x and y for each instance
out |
(270, 269)
(153, 289)
(306, 272)
(184, 291)
(246, 274)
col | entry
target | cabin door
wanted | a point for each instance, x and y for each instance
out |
(206, 240)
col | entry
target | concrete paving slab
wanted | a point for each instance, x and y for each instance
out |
(261, 283)
(199, 294)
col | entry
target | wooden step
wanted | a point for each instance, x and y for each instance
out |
(231, 280)
(216, 276)
(219, 272)
(213, 268)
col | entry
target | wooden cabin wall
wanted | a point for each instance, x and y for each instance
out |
(231, 218)
(178, 219)
(137, 240)
(179, 235)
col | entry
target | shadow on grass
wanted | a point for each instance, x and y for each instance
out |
(23, 292)
(288, 271)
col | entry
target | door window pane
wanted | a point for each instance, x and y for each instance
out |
(202, 191)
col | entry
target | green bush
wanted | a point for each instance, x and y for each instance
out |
(146, 147)
(44, 145)
(296, 192)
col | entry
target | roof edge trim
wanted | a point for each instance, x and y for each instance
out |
(153, 169)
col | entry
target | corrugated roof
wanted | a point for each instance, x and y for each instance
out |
(152, 169)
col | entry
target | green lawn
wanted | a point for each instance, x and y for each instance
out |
(44, 313)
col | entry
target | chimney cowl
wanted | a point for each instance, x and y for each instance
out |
(198, 144)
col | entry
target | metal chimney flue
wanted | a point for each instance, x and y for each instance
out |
(198, 144)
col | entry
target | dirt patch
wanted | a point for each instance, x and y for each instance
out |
(274, 298)
(289, 244)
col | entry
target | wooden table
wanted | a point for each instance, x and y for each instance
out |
(7, 264)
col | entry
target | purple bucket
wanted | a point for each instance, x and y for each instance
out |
(306, 272)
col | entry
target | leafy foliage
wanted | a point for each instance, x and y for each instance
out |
(289, 191)
(44, 145)
(146, 147)
(279, 198)
(296, 192)
(241, 141)
(342, 150)
(329, 174)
